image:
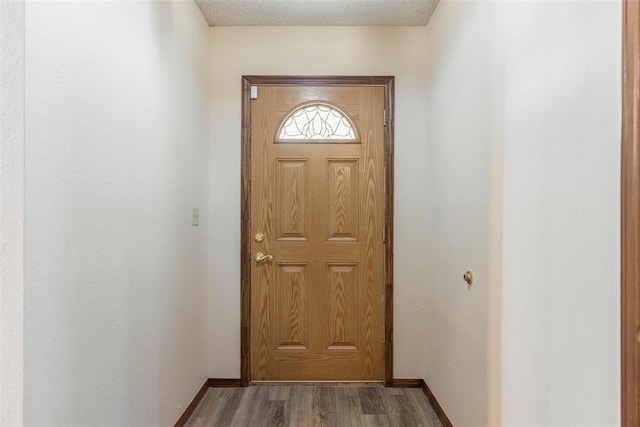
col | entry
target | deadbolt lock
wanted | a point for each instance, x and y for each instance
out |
(259, 237)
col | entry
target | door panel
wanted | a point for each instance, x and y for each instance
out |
(342, 199)
(292, 307)
(292, 214)
(343, 301)
(317, 303)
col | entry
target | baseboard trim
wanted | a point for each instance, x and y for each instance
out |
(210, 382)
(422, 384)
(224, 382)
(435, 405)
(194, 404)
(319, 383)
(407, 382)
(235, 382)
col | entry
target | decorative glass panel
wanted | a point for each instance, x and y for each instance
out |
(317, 121)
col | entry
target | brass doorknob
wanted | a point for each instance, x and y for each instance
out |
(468, 277)
(262, 257)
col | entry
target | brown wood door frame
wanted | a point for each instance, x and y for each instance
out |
(630, 212)
(245, 209)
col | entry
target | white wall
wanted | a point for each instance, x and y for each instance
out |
(463, 189)
(308, 51)
(115, 160)
(11, 210)
(524, 131)
(561, 315)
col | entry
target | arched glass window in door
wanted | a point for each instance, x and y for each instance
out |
(318, 122)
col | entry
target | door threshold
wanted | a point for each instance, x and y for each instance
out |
(326, 383)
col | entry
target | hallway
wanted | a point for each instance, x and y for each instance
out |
(120, 210)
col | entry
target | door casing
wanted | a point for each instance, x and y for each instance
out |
(630, 214)
(245, 209)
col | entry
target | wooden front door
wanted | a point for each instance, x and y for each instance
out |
(317, 229)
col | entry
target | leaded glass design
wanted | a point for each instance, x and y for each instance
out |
(317, 121)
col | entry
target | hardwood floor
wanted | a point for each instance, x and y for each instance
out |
(310, 405)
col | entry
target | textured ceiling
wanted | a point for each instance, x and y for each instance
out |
(316, 12)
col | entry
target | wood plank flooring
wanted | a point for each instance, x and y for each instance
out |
(311, 405)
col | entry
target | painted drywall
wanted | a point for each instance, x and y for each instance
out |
(524, 136)
(116, 121)
(561, 294)
(308, 51)
(463, 188)
(11, 210)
